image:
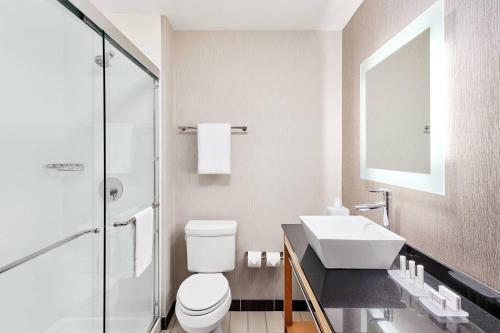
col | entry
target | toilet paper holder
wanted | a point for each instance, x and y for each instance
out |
(263, 256)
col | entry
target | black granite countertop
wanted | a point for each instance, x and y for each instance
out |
(371, 301)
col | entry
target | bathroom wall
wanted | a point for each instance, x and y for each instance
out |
(167, 169)
(286, 87)
(460, 228)
(143, 30)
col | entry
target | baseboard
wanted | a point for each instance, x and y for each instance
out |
(246, 305)
(165, 321)
(265, 305)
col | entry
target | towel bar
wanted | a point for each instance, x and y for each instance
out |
(193, 129)
(132, 219)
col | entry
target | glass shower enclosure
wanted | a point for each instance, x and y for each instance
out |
(78, 147)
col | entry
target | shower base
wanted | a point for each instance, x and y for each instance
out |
(94, 325)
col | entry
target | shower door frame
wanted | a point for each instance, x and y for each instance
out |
(85, 11)
(88, 13)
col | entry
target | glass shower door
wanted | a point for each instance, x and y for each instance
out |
(131, 299)
(52, 163)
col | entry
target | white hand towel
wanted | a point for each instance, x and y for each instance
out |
(144, 221)
(214, 148)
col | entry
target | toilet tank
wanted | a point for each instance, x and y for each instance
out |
(211, 245)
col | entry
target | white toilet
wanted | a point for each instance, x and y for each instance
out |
(203, 299)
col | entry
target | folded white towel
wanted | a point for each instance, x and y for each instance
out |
(214, 148)
(144, 221)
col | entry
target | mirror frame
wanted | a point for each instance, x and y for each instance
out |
(434, 182)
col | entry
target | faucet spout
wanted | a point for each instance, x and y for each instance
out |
(382, 204)
(369, 206)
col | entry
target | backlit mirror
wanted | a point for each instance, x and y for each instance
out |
(401, 109)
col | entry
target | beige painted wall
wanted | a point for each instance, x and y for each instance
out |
(461, 228)
(168, 165)
(286, 87)
(143, 30)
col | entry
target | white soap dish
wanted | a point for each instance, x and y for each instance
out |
(408, 286)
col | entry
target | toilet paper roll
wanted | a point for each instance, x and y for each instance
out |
(273, 259)
(254, 259)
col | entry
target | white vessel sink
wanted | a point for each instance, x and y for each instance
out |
(351, 242)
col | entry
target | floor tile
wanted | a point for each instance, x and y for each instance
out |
(238, 322)
(257, 322)
(177, 328)
(275, 322)
(225, 322)
(249, 322)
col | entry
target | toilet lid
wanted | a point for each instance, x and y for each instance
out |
(200, 292)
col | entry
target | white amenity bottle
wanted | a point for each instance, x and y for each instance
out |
(337, 209)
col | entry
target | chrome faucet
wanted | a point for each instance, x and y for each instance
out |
(382, 204)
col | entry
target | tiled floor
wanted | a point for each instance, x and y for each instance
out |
(248, 322)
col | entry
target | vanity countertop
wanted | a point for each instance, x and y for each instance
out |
(362, 300)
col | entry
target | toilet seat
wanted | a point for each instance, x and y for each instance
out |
(201, 294)
(202, 302)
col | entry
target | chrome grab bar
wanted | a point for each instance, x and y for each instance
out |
(132, 219)
(46, 249)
